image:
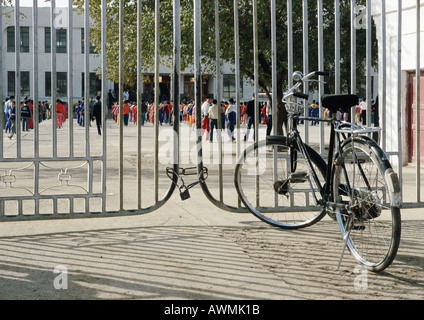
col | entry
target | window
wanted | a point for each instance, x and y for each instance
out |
(25, 83)
(61, 84)
(189, 86)
(95, 84)
(61, 38)
(47, 41)
(92, 46)
(11, 83)
(10, 39)
(62, 89)
(229, 86)
(24, 38)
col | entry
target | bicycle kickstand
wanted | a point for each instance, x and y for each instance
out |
(345, 240)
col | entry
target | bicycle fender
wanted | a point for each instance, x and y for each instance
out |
(391, 176)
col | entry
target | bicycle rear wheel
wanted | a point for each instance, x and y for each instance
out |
(365, 181)
(275, 183)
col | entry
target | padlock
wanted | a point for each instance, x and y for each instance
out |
(184, 194)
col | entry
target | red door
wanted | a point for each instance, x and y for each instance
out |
(412, 117)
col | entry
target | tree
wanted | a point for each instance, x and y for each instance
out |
(226, 17)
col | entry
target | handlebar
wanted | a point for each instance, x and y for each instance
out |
(292, 91)
(300, 95)
(322, 73)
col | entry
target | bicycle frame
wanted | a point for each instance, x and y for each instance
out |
(325, 191)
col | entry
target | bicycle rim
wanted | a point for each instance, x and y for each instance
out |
(264, 169)
(372, 224)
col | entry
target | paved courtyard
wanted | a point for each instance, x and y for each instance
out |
(189, 249)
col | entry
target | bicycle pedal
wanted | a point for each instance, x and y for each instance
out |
(184, 194)
(358, 228)
(299, 177)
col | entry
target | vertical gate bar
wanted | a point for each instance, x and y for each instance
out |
(87, 76)
(35, 76)
(218, 98)
(176, 81)
(197, 77)
(418, 105)
(290, 43)
(352, 50)
(368, 63)
(53, 74)
(70, 78)
(139, 106)
(383, 72)
(321, 68)
(87, 121)
(104, 103)
(305, 64)
(305, 70)
(17, 79)
(274, 88)
(399, 89)
(255, 76)
(2, 115)
(237, 76)
(157, 44)
(120, 95)
(337, 45)
(274, 66)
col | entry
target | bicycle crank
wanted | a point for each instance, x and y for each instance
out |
(283, 186)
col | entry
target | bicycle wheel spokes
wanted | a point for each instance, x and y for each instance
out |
(373, 224)
(276, 189)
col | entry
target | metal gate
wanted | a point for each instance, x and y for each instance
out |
(64, 170)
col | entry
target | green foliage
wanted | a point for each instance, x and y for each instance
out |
(226, 22)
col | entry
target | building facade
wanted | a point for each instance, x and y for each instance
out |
(401, 79)
(44, 56)
(227, 86)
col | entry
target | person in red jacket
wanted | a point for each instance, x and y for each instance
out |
(264, 114)
(59, 113)
(30, 121)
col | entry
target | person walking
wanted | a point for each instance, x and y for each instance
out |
(231, 114)
(250, 111)
(314, 112)
(213, 118)
(11, 120)
(205, 117)
(364, 107)
(26, 114)
(7, 108)
(126, 112)
(97, 114)
(268, 119)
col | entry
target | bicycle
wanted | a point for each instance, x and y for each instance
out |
(286, 183)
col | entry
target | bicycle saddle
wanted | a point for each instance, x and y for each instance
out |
(337, 102)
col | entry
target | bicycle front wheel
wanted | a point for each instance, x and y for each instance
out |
(364, 180)
(276, 184)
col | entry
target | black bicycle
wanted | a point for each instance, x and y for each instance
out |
(286, 183)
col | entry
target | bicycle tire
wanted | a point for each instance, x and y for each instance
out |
(372, 224)
(291, 208)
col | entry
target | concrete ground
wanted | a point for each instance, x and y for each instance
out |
(189, 249)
